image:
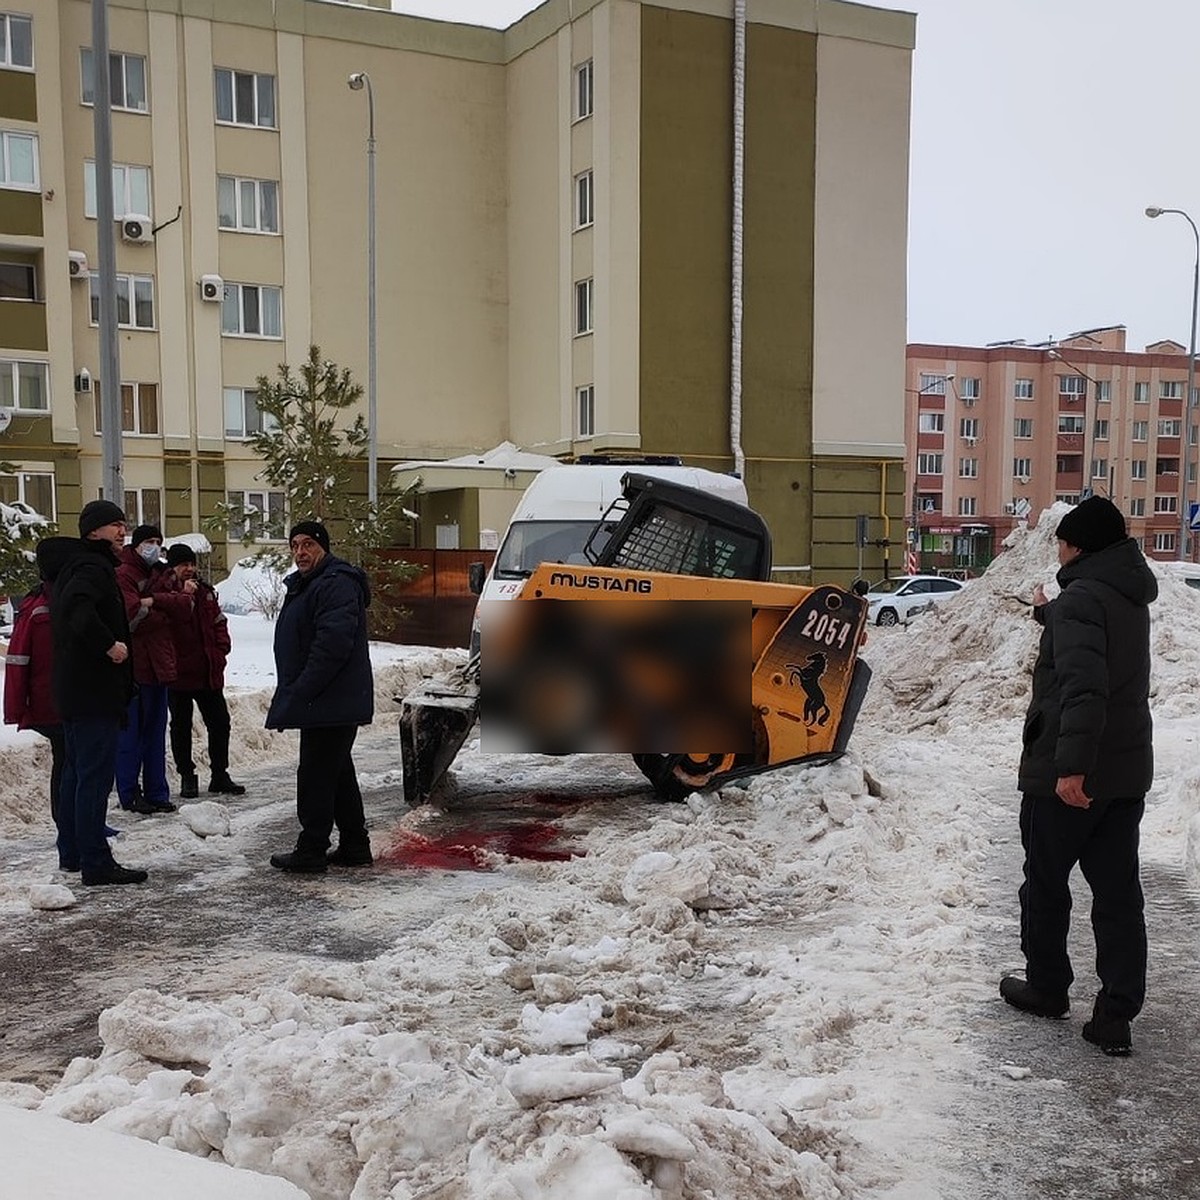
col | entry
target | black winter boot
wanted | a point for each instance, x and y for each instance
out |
(1111, 1033)
(224, 786)
(1023, 995)
(350, 856)
(113, 873)
(299, 863)
(189, 787)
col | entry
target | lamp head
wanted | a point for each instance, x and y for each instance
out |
(1154, 211)
(357, 80)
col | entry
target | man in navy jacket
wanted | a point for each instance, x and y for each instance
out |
(324, 689)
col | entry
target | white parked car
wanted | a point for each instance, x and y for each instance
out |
(894, 600)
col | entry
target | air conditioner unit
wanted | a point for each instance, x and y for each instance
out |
(1010, 509)
(1022, 478)
(212, 288)
(136, 228)
(83, 381)
(970, 441)
(969, 401)
(77, 264)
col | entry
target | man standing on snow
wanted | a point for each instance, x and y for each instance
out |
(325, 690)
(92, 685)
(1086, 766)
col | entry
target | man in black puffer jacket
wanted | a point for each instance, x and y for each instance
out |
(1086, 766)
(325, 689)
(92, 682)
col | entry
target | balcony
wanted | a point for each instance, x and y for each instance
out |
(23, 325)
(1069, 443)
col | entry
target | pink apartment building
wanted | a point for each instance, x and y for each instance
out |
(994, 434)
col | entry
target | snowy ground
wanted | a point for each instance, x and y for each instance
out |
(782, 990)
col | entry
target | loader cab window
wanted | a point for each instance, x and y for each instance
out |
(531, 543)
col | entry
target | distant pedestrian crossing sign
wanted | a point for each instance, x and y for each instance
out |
(1194, 515)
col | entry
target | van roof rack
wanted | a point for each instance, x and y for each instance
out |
(630, 460)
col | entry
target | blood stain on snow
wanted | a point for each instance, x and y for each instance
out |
(475, 849)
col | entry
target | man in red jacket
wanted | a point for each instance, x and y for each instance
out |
(142, 751)
(201, 648)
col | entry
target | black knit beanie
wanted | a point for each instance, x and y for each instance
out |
(98, 513)
(315, 530)
(1093, 525)
(181, 552)
(143, 533)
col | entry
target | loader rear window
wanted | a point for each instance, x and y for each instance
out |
(681, 543)
(531, 543)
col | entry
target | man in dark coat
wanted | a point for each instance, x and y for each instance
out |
(92, 682)
(1086, 766)
(142, 751)
(202, 645)
(325, 689)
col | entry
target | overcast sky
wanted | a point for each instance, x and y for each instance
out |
(1041, 130)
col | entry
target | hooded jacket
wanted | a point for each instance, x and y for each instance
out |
(87, 615)
(153, 642)
(1090, 710)
(28, 666)
(201, 634)
(321, 657)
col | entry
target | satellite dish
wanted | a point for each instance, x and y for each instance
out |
(5, 418)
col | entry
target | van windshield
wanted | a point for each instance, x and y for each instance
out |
(531, 543)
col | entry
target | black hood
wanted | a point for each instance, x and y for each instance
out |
(53, 553)
(1122, 566)
(296, 581)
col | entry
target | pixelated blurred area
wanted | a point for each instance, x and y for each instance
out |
(613, 676)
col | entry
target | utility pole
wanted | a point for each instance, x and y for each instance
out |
(112, 482)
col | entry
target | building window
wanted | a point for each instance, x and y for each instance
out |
(1191, 473)
(1166, 504)
(1099, 468)
(18, 281)
(24, 385)
(1170, 389)
(584, 208)
(970, 389)
(1193, 434)
(19, 161)
(251, 310)
(243, 417)
(1022, 468)
(1137, 506)
(931, 422)
(967, 506)
(929, 464)
(968, 468)
(16, 42)
(127, 80)
(1023, 427)
(1069, 424)
(584, 90)
(1164, 543)
(968, 427)
(1137, 468)
(247, 205)
(144, 505)
(135, 301)
(1169, 428)
(1101, 431)
(139, 407)
(1023, 389)
(1166, 466)
(244, 98)
(1103, 391)
(1067, 498)
(585, 410)
(933, 385)
(1072, 385)
(1141, 393)
(33, 488)
(131, 190)
(1141, 430)
(583, 306)
(265, 517)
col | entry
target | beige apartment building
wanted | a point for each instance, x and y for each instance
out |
(997, 433)
(556, 240)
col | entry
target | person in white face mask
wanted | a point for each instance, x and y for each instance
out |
(142, 785)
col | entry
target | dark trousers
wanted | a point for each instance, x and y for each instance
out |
(88, 770)
(1103, 840)
(327, 791)
(214, 712)
(142, 750)
(58, 757)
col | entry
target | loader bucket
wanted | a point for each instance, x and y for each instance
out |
(435, 720)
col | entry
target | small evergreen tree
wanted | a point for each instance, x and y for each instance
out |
(21, 528)
(311, 454)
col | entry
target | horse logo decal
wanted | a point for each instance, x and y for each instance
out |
(809, 677)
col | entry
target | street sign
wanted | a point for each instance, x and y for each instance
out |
(1194, 515)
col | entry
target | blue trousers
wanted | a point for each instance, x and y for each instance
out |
(91, 758)
(142, 750)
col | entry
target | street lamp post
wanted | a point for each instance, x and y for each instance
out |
(1185, 424)
(356, 82)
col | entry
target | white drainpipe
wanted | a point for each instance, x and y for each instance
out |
(739, 172)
